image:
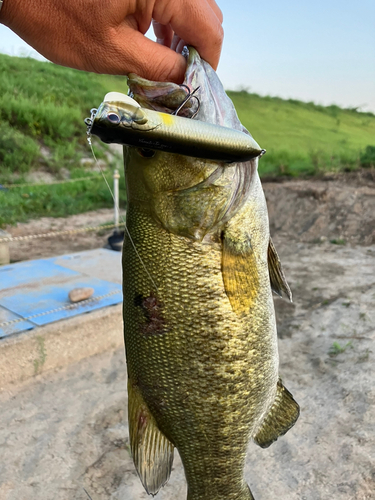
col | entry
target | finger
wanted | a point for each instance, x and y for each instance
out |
(195, 22)
(216, 9)
(163, 33)
(149, 59)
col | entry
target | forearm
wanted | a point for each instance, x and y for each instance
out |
(51, 28)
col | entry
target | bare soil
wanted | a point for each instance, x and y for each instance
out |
(67, 430)
(60, 245)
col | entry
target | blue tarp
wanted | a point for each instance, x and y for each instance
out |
(35, 293)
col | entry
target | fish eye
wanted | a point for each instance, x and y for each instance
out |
(113, 118)
(146, 153)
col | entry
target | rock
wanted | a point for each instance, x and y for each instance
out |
(78, 294)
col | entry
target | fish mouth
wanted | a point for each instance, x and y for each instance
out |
(210, 103)
(167, 97)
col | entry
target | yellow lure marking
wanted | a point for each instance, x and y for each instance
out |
(167, 119)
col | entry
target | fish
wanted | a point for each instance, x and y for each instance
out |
(199, 269)
(121, 120)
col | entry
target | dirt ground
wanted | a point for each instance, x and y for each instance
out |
(59, 245)
(65, 431)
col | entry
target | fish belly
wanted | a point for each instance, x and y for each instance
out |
(207, 375)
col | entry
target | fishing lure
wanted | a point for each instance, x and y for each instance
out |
(121, 120)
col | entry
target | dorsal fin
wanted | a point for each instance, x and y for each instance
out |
(152, 452)
(277, 277)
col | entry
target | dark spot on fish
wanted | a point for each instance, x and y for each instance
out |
(152, 309)
(138, 299)
(156, 396)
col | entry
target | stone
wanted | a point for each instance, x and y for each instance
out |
(78, 294)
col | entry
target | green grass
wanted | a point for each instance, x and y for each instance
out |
(55, 200)
(337, 349)
(42, 108)
(304, 138)
(338, 241)
(42, 104)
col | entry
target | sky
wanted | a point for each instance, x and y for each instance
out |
(321, 51)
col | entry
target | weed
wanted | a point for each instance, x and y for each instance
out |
(338, 241)
(337, 349)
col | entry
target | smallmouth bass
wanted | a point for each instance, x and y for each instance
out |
(200, 334)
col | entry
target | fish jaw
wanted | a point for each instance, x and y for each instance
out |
(160, 96)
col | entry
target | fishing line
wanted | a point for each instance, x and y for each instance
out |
(118, 210)
(87, 494)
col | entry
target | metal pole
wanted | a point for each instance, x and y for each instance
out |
(116, 177)
(4, 248)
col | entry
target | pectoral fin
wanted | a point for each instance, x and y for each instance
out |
(152, 451)
(277, 277)
(281, 417)
(240, 274)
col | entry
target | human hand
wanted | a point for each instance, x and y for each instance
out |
(108, 36)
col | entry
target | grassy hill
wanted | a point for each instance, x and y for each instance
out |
(42, 104)
(42, 107)
(303, 138)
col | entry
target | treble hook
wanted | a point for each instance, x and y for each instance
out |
(187, 98)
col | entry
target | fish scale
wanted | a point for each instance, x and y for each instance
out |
(197, 378)
(199, 268)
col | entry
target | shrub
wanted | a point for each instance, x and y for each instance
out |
(367, 158)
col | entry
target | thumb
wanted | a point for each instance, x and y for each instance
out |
(152, 60)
